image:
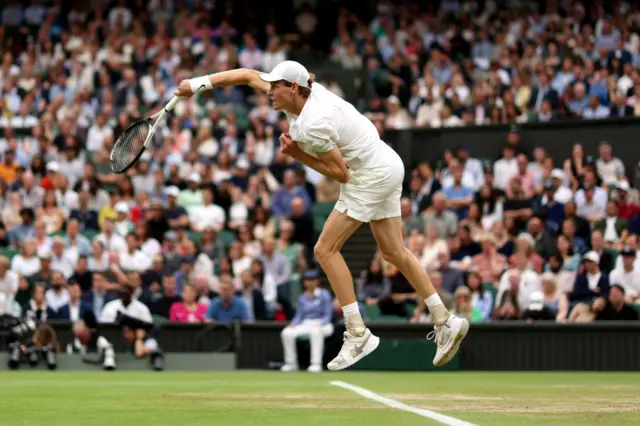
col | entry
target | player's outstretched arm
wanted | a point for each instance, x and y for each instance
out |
(237, 77)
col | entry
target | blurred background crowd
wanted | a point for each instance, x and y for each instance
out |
(215, 224)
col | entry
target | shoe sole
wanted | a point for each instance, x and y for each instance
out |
(372, 345)
(462, 333)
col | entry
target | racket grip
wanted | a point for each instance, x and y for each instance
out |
(172, 103)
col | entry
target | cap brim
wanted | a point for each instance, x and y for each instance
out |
(270, 78)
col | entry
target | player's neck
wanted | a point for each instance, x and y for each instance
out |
(297, 105)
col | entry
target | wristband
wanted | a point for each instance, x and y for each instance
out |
(200, 84)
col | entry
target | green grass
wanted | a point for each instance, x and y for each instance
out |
(271, 398)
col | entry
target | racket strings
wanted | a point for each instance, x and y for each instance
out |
(129, 145)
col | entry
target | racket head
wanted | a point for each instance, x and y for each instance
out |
(130, 145)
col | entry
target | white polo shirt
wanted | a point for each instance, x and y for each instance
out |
(136, 309)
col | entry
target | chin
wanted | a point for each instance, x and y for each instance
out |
(275, 106)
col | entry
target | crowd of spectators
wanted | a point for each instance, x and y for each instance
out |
(214, 223)
(464, 63)
(519, 239)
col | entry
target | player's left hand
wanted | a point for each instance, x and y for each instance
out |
(287, 145)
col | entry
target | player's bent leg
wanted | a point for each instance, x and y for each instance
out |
(449, 330)
(358, 340)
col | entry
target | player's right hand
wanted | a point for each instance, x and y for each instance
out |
(184, 89)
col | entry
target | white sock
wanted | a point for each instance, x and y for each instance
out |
(352, 309)
(353, 319)
(437, 309)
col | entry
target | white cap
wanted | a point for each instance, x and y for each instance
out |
(393, 99)
(172, 191)
(195, 177)
(536, 301)
(623, 185)
(122, 207)
(557, 174)
(592, 256)
(53, 167)
(290, 71)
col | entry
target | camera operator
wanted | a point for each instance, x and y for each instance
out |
(137, 325)
(89, 340)
(27, 340)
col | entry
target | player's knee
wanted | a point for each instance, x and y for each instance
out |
(322, 250)
(395, 257)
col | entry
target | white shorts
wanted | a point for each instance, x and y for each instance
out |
(373, 193)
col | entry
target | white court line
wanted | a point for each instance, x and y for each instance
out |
(441, 418)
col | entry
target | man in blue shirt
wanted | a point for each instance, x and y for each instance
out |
(459, 197)
(227, 307)
(312, 320)
(281, 201)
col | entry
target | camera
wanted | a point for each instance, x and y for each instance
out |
(29, 342)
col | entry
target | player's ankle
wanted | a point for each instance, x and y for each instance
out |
(353, 319)
(438, 311)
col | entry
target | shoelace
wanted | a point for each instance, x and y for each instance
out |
(433, 335)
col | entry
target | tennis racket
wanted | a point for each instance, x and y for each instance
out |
(132, 142)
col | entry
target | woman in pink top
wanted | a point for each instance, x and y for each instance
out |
(187, 311)
(489, 264)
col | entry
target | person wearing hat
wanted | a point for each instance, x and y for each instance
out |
(591, 283)
(122, 224)
(336, 140)
(312, 320)
(53, 168)
(562, 193)
(628, 274)
(397, 117)
(176, 215)
(626, 208)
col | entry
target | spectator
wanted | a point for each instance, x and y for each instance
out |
(489, 264)
(591, 283)
(227, 307)
(481, 298)
(252, 297)
(283, 197)
(57, 298)
(628, 276)
(189, 310)
(516, 285)
(610, 169)
(26, 263)
(463, 306)
(613, 227)
(610, 307)
(313, 319)
(459, 197)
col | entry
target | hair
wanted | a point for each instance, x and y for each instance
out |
(45, 335)
(305, 92)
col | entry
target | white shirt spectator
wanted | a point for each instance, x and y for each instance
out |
(563, 194)
(23, 121)
(113, 243)
(9, 284)
(595, 113)
(503, 169)
(630, 281)
(203, 217)
(468, 180)
(251, 59)
(271, 59)
(96, 136)
(428, 113)
(598, 205)
(151, 247)
(451, 121)
(136, 261)
(65, 263)
(56, 300)
(24, 266)
(238, 213)
(610, 171)
(136, 309)
(529, 283)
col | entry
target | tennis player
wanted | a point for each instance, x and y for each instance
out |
(329, 135)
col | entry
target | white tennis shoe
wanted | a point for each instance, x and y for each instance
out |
(354, 349)
(448, 337)
(289, 368)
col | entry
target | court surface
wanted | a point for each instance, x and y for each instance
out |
(327, 399)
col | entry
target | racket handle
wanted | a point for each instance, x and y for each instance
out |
(172, 103)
